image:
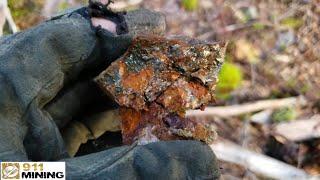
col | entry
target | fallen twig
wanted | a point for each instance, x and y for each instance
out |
(122, 5)
(262, 117)
(5, 15)
(257, 163)
(299, 130)
(234, 110)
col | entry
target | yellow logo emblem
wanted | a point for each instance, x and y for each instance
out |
(10, 171)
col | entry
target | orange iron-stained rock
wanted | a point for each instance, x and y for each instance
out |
(156, 81)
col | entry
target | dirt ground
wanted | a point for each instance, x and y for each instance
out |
(276, 45)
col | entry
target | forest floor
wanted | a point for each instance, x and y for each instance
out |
(275, 44)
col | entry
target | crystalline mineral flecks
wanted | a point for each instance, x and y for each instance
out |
(156, 81)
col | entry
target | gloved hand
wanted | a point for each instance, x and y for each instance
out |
(45, 81)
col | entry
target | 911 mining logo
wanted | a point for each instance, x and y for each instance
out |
(10, 171)
(33, 170)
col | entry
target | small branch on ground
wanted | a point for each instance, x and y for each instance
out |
(257, 163)
(235, 110)
(299, 130)
(123, 5)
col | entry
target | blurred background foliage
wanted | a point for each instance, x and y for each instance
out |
(190, 5)
(268, 44)
(230, 78)
(284, 114)
(26, 12)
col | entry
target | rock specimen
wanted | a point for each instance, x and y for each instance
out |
(156, 81)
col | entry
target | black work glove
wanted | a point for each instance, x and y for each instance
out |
(45, 81)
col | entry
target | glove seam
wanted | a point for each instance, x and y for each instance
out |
(36, 96)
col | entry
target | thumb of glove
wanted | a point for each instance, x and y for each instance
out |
(138, 22)
(112, 46)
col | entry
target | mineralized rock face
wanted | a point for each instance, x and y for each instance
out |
(156, 81)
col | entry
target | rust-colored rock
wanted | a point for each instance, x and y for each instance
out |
(156, 81)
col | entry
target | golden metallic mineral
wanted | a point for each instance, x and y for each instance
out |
(156, 81)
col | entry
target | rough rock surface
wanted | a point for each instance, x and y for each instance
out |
(156, 81)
